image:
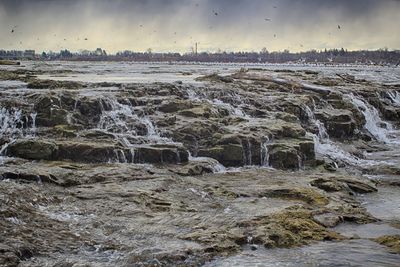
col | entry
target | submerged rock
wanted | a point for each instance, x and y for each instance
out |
(393, 242)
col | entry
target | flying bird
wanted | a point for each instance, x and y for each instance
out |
(215, 13)
(12, 31)
(86, 39)
(267, 19)
(338, 26)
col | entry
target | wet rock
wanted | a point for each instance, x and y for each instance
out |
(197, 112)
(215, 78)
(175, 106)
(161, 154)
(290, 228)
(393, 242)
(308, 195)
(90, 110)
(327, 185)
(66, 130)
(339, 123)
(8, 256)
(49, 112)
(32, 149)
(284, 157)
(51, 84)
(359, 186)
(344, 184)
(328, 219)
(228, 155)
(92, 152)
(199, 166)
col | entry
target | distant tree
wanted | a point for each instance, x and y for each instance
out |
(264, 51)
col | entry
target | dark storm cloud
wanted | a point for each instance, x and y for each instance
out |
(351, 7)
(227, 24)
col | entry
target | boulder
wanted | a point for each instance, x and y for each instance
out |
(339, 122)
(32, 149)
(230, 155)
(284, 157)
(49, 112)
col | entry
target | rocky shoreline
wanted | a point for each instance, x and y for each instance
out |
(159, 174)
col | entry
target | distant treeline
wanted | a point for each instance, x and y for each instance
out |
(381, 56)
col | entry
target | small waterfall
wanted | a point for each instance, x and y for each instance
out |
(114, 120)
(11, 123)
(151, 129)
(213, 164)
(395, 97)
(128, 144)
(380, 129)
(235, 111)
(323, 145)
(120, 156)
(265, 153)
(33, 126)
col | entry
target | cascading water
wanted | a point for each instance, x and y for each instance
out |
(11, 123)
(265, 153)
(121, 121)
(324, 146)
(151, 129)
(395, 97)
(12, 126)
(380, 129)
(214, 165)
(198, 97)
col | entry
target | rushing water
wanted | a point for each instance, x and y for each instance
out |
(380, 129)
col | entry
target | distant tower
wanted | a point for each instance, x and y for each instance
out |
(195, 49)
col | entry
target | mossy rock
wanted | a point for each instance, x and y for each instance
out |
(392, 242)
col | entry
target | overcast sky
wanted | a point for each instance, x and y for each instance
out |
(175, 25)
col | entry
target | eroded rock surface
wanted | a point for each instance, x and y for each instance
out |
(177, 174)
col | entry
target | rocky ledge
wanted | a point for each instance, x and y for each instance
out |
(178, 174)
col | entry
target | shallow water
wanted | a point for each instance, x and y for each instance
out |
(168, 72)
(370, 230)
(384, 204)
(347, 253)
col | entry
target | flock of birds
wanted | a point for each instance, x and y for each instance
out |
(216, 13)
